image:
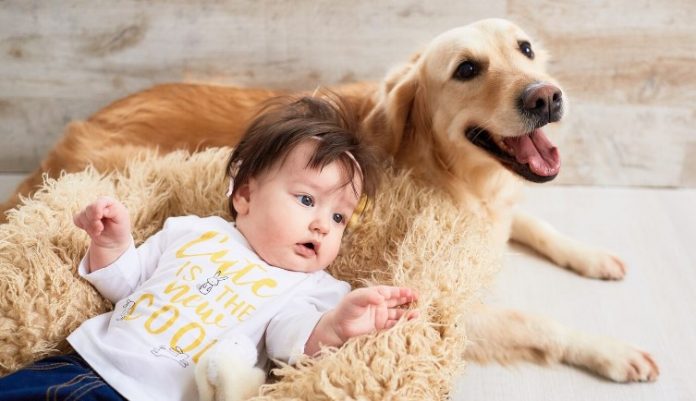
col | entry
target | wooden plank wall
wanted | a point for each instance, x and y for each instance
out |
(629, 66)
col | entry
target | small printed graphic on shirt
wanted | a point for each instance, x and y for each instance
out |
(211, 282)
(126, 309)
(175, 354)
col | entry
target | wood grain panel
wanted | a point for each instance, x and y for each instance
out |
(629, 67)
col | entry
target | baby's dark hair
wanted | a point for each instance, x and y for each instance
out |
(283, 123)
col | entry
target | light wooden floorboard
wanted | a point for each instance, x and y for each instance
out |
(653, 307)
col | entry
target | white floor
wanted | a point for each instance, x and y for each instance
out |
(654, 307)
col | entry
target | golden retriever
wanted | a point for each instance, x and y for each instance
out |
(466, 115)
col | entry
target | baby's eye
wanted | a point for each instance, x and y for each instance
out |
(338, 218)
(305, 200)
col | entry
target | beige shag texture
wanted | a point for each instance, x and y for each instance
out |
(410, 236)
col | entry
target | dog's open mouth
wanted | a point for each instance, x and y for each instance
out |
(531, 155)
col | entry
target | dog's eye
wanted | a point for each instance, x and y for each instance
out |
(526, 49)
(467, 70)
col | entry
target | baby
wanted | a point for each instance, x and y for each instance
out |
(295, 179)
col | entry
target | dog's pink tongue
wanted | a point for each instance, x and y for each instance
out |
(537, 151)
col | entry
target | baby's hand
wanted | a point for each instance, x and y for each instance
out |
(360, 312)
(107, 223)
(369, 309)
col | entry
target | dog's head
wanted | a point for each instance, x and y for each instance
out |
(478, 91)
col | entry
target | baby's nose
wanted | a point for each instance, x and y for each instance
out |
(320, 225)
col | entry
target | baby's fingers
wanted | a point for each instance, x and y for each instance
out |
(97, 209)
(95, 227)
(390, 323)
(366, 296)
(412, 314)
(395, 314)
(115, 211)
(92, 227)
(396, 296)
(398, 313)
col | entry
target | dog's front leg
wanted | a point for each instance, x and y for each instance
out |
(505, 336)
(565, 251)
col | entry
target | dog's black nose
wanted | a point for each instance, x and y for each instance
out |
(543, 101)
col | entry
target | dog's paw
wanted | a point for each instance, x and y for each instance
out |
(623, 363)
(601, 265)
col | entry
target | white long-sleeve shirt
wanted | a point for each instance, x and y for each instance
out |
(182, 290)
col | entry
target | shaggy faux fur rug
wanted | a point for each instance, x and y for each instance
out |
(410, 236)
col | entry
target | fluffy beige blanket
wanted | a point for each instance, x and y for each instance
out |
(410, 236)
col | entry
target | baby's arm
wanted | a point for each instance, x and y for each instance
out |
(362, 311)
(107, 223)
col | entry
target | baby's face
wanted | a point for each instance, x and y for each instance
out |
(293, 216)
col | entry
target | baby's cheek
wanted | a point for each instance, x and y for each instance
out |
(332, 252)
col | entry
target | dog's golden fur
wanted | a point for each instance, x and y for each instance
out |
(421, 116)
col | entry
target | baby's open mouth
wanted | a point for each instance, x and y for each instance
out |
(307, 249)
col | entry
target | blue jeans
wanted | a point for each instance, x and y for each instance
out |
(58, 378)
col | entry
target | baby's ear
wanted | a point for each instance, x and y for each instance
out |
(241, 199)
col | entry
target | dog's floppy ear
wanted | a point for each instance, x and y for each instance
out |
(389, 121)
